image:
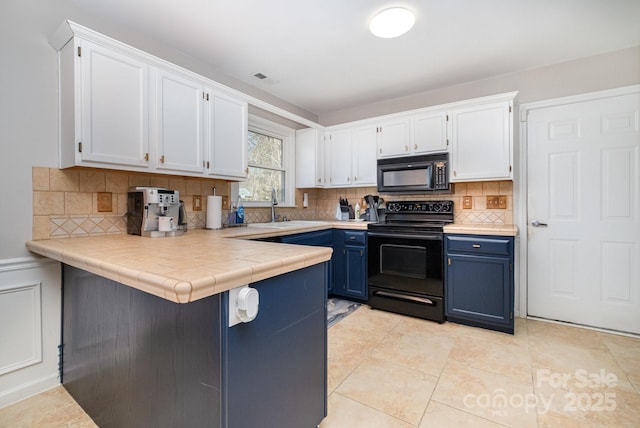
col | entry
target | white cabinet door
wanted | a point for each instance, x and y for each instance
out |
(339, 160)
(309, 158)
(364, 156)
(481, 142)
(429, 133)
(113, 108)
(180, 126)
(394, 138)
(227, 154)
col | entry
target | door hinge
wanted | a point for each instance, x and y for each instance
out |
(162, 159)
(447, 118)
(208, 165)
(80, 147)
(205, 96)
(447, 141)
(509, 109)
(79, 50)
(511, 315)
(449, 260)
(146, 157)
(510, 168)
(510, 266)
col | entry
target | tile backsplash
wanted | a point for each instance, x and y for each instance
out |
(66, 201)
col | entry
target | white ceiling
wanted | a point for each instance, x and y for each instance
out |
(320, 56)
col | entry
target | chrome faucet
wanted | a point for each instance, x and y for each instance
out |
(274, 202)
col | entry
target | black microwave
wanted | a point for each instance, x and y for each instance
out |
(414, 174)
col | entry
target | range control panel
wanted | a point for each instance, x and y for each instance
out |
(420, 207)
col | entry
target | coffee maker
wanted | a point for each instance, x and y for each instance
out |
(155, 212)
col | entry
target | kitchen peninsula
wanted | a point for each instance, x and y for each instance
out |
(146, 337)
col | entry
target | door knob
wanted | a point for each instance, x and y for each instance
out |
(536, 223)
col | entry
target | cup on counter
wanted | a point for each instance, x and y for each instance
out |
(166, 224)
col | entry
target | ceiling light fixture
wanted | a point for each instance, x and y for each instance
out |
(392, 22)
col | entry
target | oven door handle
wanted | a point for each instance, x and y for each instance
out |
(428, 237)
(405, 297)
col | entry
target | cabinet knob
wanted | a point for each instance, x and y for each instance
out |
(319, 180)
(162, 159)
(355, 178)
(406, 148)
(415, 147)
(146, 157)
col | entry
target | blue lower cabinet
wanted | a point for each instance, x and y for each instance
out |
(131, 359)
(319, 238)
(479, 281)
(350, 264)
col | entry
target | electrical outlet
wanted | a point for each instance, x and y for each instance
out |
(467, 202)
(496, 202)
(197, 202)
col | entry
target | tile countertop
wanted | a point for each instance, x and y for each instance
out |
(198, 264)
(483, 229)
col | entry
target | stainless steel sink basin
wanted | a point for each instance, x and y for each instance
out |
(288, 224)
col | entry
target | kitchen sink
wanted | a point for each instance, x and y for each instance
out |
(288, 224)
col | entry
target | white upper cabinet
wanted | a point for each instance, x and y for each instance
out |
(482, 142)
(338, 149)
(227, 141)
(180, 129)
(350, 156)
(429, 132)
(364, 156)
(309, 158)
(105, 108)
(394, 137)
(122, 108)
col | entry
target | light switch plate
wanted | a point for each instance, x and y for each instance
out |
(497, 202)
(104, 202)
(197, 203)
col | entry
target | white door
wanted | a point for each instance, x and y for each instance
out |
(583, 189)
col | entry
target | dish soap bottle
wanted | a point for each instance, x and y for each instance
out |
(357, 211)
(240, 213)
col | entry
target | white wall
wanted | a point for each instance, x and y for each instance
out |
(606, 71)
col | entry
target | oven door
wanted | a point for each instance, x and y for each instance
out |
(403, 262)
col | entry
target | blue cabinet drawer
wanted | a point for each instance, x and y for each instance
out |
(479, 244)
(355, 237)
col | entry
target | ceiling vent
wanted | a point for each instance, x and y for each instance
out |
(260, 76)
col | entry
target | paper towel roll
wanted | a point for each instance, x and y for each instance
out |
(214, 212)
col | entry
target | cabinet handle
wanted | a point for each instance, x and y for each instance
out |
(361, 253)
(449, 261)
(162, 159)
(454, 172)
(208, 165)
(476, 245)
(381, 150)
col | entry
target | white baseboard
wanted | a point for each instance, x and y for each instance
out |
(26, 390)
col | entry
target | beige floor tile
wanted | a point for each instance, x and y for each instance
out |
(597, 407)
(52, 408)
(507, 360)
(344, 412)
(440, 415)
(541, 332)
(520, 336)
(573, 367)
(374, 322)
(500, 399)
(417, 350)
(390, 388)
(626, 351)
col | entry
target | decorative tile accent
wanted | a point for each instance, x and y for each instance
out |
(73, 226)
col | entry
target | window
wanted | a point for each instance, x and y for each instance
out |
(270, 157)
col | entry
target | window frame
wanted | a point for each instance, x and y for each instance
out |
(287, 135)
